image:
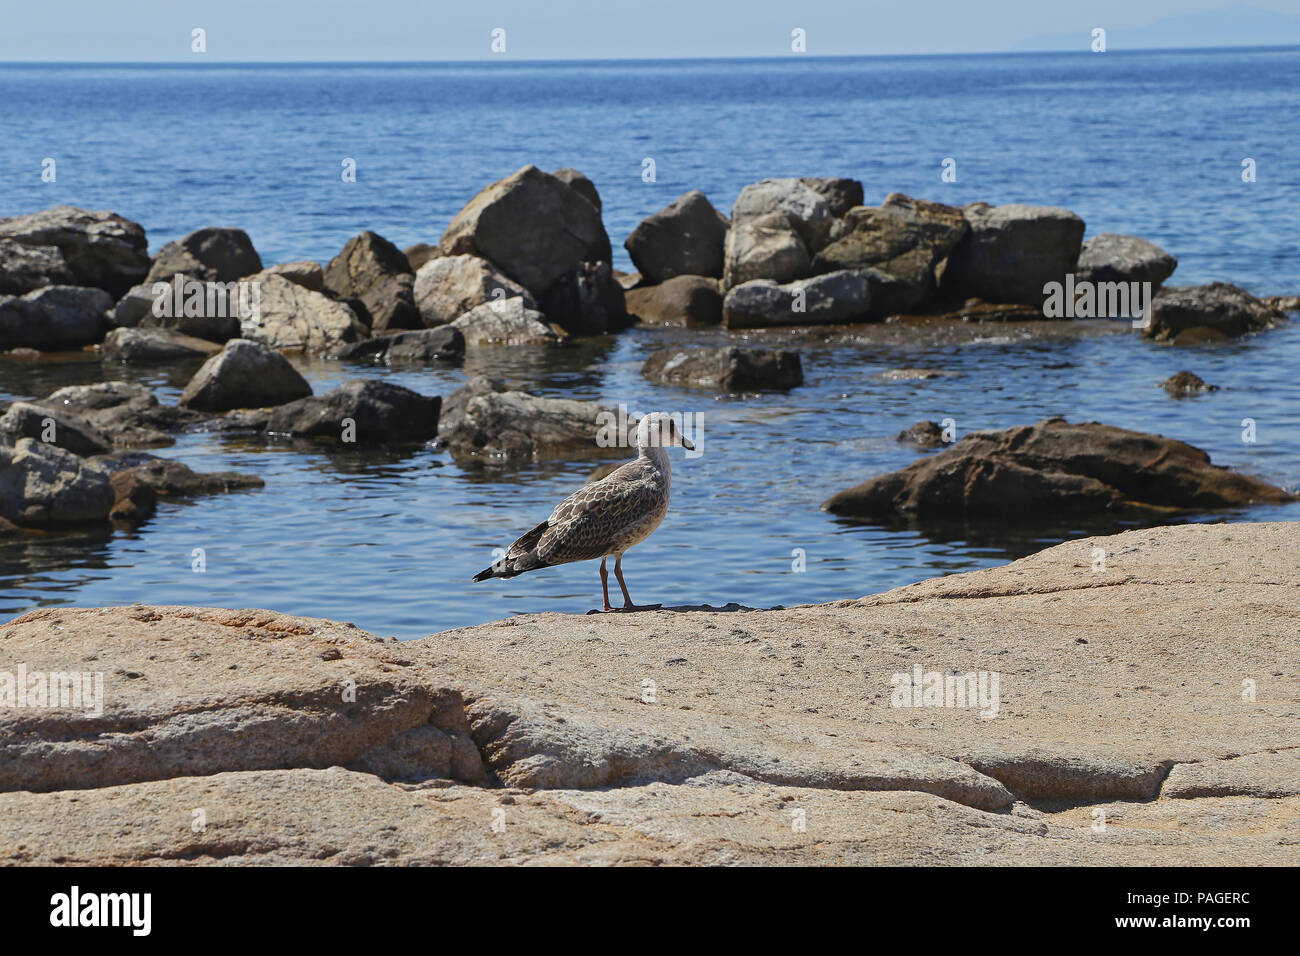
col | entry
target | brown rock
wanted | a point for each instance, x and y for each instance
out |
(682, 300)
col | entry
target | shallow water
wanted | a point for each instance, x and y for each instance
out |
(1149, 144)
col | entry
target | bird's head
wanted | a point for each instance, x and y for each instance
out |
(659, 430)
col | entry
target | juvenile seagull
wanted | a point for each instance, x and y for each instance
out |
(604, 517)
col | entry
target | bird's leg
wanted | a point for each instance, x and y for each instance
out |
(627, 598)
(604, 584)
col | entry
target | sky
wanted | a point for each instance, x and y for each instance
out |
(406, 30)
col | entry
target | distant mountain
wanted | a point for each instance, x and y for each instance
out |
(1238, 25)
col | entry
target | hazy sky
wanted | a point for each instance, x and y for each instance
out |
(135, 30)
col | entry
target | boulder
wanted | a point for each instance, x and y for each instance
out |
(53, 424)
(731, 369)
(1187, 383)
(505, 322)
(441, 344)
(420, 253)
(366, 412)
(168, 478)
(840, 194)
(54, 318)
(1115, 258)
(923, 434)
(244, 374)
(1012, 251)
(41, 483)
(580, 184)
(149, 345)
(686, 237)
(213, 254)
(682, 300)
(530, 224)
(372, 269)
(292, 317)
(906, 239)
(1029, 472)
(764, 247)
(127, 412)
(101, 249)
(1283, 303)
(133, 500)
(134, 305)
(586, 301)
(488, 423)
(1215, 312)
(807, 207)
(836, 297)
(25, 267)
(305, 273)
(212, 310)
(449, 286)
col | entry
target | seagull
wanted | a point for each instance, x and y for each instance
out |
(604, 517)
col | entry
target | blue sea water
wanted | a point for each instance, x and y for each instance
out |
(1145, 143)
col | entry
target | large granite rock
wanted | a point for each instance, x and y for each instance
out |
(580, 183)
(303, 272)
(505, 322)
(685, 238)
(244, 374)
(292, 317)
(212, 254)
(1012, 251)
(24, 267)
(365, 412)
(1025, 473)
(682, 300)
(1216, 312)
(586, 301)
(149, 345)
(767, 246)
(372, 269)
(836, 297)
(449, 286)
(530, 224)
(54, 318)
(53, 424)
(1115, 258)
(730, 369)
(41, 483)
(804, 203)
(101, 249)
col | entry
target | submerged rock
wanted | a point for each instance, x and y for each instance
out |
(449, 286)
(1012, 251)
(733, 369)
(211, 255)
(923, 434)
(1207, 313)
(1187, 383)
(173, 479)
(836, 297)
(372, 269)
(364, 412)
(682, 300)
(1054, 468)
(244, 375)
(54, 318)
(685, 238)
(129, 413)
(101, 249)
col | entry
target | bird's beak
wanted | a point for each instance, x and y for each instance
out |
(688, 444)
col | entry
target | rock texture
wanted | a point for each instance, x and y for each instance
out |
(683, 300)
(449, 286)
(1053, 468)
(1186, 315)
(101, 249)
(372, 269)
(1012, 251)
(210, 255)
(378, 413)
(41, 483)
(730, 369)
(296, 318)
(1187, 383)
(54, 318)
(54, 425)
(24, 268)
(148, 346)
(507, 322)
(767, 246)
(836, 297)
(694, 736)
(129, 413)
(244, 374)
(441, 344)
(685, 238)
(586, 301)
(1114, 258)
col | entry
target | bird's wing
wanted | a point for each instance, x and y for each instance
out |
(588, 523)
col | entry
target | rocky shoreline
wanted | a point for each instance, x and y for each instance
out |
(1138, 718)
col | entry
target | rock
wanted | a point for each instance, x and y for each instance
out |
(1054, 468)
(101, 249)
(1283, 303)
(628, 280)
(366, 412)
(213, 254)
(54, 318)
(1186, 383)
(295, 318)
(764, 247)
(129, 413)
(25, 267)
(978, 311)
(923, 434)
(682, 300)
(836, 297)
(840, 194)
(807, 208)
(1012, 251)
(41, 483)
(1214, 312)
(372, 269)
(132, 307)
(905, 238)
(685, 238)
(580, 184)
(1114, 258)
(440, 344)
(586, 301)
(531, 225)
(419, 254)
(208, 310)
(507, 322)
(244, 374)
(134, 499)
(914, 374)
(172, 479)
(488, 423)
(146, 346)
(448, 287)
(305, 273)
(733, 369)
(55, 425)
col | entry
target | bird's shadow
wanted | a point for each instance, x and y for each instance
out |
(726, 608)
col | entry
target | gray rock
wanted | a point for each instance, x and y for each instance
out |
(532, 225)
(148, 346)
(202, 309)
(580, 184)
(132, 307)
(505, 322)
(26, 267)
(923, 434)
(296, 318)
(378, 413)
(41, 483)
(443, 343)
(1012, 251)
(764, 247)
(586, 301)
(487, 423)
(840, 194)
(168, 478)
(686, 237)
(212, 254)
(129, 413)
(682, 300)
(100, 248)
(1115, 258)
(244, 374)
(732, 369)
(304, 272)
(372, 269)
(449, 286)
(806, 206)
(54, 318)
(836, 297)
(54, 425)
(1207, 313)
